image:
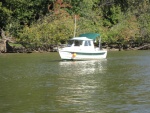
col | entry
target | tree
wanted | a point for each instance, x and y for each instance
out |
(5, 15)
(49, 30)
(46, 21)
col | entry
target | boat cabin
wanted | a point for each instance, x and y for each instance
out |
(81, 42)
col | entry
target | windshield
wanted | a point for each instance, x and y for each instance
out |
(70, 42)
(75, 42)
(78, 42)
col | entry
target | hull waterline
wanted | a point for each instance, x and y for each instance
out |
(76, 55)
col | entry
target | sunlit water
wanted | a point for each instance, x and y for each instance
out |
(42, 83)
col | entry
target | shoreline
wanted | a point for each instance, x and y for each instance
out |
(42, 51)
(9, 48)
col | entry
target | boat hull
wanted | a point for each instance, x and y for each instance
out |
(82, 55)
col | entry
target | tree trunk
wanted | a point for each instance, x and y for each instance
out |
(3, 46)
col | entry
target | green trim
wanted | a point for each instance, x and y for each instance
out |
(79, 53)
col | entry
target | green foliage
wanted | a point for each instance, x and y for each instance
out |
(38, 22)
(15, 45)
(125, 30)
(46, 32)
(5, 15)
(112, 16)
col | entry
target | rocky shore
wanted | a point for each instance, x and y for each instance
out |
(8, 46)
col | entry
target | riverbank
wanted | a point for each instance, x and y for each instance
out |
(117, 47)
(9, 47)
(55, 49)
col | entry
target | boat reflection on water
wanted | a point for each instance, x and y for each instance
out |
(79, 83)
(84, 67)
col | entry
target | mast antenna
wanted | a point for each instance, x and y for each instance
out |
(75, 26)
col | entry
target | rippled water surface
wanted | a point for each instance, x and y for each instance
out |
(42, 83)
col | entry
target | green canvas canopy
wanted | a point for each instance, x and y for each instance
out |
(90, 35)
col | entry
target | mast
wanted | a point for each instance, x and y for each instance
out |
(99, 43)
(75, 26)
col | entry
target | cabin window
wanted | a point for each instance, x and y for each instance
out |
(70, 42)
(87, 43)
(77, 42)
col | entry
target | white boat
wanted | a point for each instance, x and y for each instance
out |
(82, 48)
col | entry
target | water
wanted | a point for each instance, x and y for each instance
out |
(42, 83)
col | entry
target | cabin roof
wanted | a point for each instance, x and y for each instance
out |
(80, 38)
(92, 36)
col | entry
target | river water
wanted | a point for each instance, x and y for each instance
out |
(42, 83)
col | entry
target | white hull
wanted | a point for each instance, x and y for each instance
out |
(82, 55)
